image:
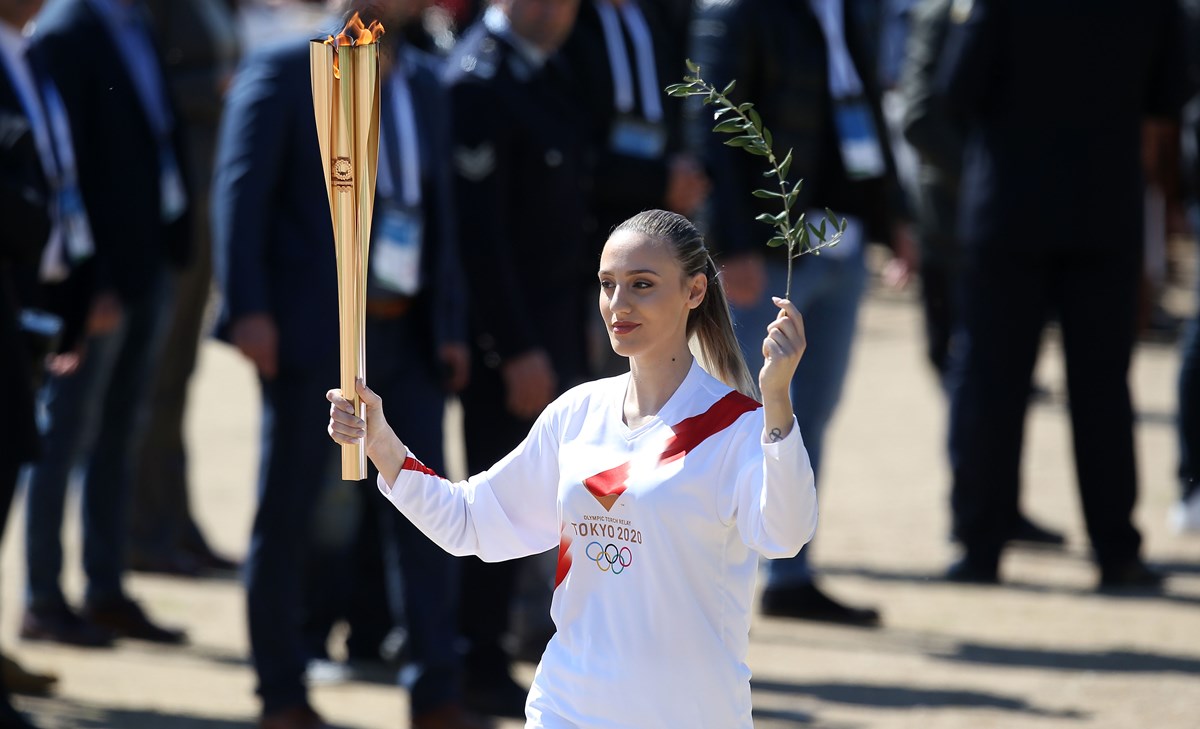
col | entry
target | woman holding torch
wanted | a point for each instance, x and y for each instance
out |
(660, 488)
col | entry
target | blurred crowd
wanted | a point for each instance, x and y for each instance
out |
(161, 183)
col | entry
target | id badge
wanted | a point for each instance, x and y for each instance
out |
(862, 153)
(636, 137)
(396, 250)
(170, 188)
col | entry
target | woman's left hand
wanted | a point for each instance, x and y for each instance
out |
(782, 349)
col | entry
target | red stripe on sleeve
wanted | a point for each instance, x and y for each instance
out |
(412, 464)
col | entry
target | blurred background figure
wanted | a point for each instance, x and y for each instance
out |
(44, 252)
(937, 135)
(809, 69)
(199, 42)
(1184, 516)
(102, 56)
(276, 266)
(519, 149)
(1048, 224)
(622, 53)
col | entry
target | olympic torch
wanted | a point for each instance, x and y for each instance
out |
(345, 93)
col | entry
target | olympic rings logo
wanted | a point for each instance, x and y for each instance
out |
(610, 557)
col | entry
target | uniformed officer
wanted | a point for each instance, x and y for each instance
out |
(519, 171)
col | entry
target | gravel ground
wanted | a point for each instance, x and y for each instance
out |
(1041, 651)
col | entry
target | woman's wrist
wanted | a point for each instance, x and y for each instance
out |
(777, 416)
(388, 454)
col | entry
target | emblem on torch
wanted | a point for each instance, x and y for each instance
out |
(345, 93)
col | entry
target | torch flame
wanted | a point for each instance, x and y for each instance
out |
(354, 34)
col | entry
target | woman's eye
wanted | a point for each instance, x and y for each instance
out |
(642, 284)
(606, 284)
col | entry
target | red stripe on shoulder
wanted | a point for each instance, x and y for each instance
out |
(695, 430)
(412, 464)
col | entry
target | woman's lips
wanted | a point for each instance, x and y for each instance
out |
(624, 327)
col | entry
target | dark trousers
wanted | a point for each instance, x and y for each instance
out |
(297, 454)
(96, 416)
(161, 519)
(489, 433)
(1189, 407)
(938, 309)
(1005, 295)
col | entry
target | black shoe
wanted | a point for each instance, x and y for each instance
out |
(495, 696)
(126, 618)
(968, 571)
(60, 624)
(1028, 534)
(211, 562)
(1130, 577)
(808, 602)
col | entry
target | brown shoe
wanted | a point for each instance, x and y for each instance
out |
(293, 717)
(21, 681)
(450, 716)
(125, 618)
(60, 624)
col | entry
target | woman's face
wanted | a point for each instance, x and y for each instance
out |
(645, 297)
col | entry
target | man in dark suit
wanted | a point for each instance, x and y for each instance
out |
(102, 57)
(1051, 219)
(808, 67)
(519, 142)
(33, 180)
(275, 262)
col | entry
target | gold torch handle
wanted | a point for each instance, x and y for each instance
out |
(346, 104)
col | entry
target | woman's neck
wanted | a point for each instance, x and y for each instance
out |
(652, 381)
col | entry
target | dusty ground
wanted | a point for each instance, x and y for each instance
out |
(1042, 651)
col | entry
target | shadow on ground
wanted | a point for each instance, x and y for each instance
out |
(59, 713)
(908, 697)
(935, 579)
(1117, 661)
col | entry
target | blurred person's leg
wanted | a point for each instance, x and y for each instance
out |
(163, 534)
(405, 372)
(827, 289)
(1004, 298)
(72, 404)
(487, 589)
(1185, 515)
(937, 309)
(109, 465)
(296, 452)
(1098, 313)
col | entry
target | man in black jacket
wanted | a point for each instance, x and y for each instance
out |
(276, 264)
(123, 123)
(43, 253)
(807, 67)
(519, 146)
(1051, 219)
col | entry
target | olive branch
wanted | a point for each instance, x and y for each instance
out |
(744, 121)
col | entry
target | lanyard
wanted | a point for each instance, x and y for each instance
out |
(618, 59)
(404, 122)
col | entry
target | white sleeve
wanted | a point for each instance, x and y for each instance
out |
(774, 495)
(508, 511)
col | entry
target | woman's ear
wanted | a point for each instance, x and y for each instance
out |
(697, 290)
